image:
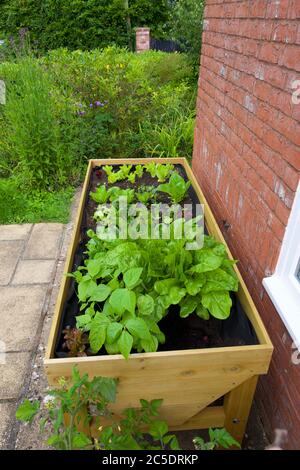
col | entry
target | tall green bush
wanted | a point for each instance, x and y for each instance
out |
(34, 128)
(81, 24)
(68, 107)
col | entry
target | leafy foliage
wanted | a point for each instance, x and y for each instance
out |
(218, 438)
(82, 400)
(78, 24)
(124, 292)
(176, 187)
(66, 107)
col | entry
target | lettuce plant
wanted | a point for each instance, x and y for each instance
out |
(176, 187)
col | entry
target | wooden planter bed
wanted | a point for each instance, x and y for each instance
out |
(201, 388)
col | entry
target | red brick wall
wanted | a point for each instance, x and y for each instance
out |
(247, 159)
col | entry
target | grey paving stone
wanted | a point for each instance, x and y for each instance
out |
(14, 232)
(20, 312)
(6, 414)
(9, 255)
(44, 241)
(34, 272)
(13, 375)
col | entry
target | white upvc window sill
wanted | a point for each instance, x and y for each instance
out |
(286, 301)
(284, 286)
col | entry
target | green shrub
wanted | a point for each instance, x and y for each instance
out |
(68, 107)
(19, 206)
(34, 124)
(81, 24)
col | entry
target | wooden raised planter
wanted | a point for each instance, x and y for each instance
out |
(189, 380)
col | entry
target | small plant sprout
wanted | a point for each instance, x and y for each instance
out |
(131, 178)
(139, 171)
(151, 169)
(163, 171)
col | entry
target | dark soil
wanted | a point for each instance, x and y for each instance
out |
(189, 333)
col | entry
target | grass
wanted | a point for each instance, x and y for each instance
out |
(18, 207)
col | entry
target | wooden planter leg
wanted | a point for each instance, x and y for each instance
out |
(237, 407)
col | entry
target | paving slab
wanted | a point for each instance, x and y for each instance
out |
(13, 374)
(9, 255)
(20, 313)
(33, 272)
(6, 413)
(44, 241)
(14, 232)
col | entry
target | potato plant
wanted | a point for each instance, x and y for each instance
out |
(127, 286)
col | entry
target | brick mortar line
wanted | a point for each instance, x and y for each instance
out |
(14, 425)
(238, 183)
(284, 67)
(257, 117)
(24, 244)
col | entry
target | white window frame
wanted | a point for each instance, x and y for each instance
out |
(283, 286)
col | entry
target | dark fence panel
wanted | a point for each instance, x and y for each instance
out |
(164, 45)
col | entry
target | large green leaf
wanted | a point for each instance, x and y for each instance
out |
(100, 293)
(219, 280)
(145, 304)
(218, 304)
(176, 294)
(163, 287)
(194, 285)
(125, 343)
(27, 410)
(94, 267)
(132, 277)
(88, 289)
(122, 300)
(206, 260)
(188, 306)
(113, 332)
(138, 328)
(98, 332)
(80, 441)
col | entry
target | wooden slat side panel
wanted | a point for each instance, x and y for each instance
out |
(237, 407)
(243, 294)
(63, 291)
(213, 416)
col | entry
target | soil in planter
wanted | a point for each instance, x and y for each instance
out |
(188, 333)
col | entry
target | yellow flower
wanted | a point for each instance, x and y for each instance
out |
(107, 67)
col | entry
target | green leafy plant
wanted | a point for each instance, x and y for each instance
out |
(76, 341)
(163, 171)
(177, 187)
(151, 169)
(101, 195)
(139, 171)
(80, 400)
(218, 438)
(124, 292)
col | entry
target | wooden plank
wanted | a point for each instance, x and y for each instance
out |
(212, 416)
(237, 407)
(63, 291)
(243, 293)
(203, 375)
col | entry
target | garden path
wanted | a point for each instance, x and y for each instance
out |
(32, 258)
